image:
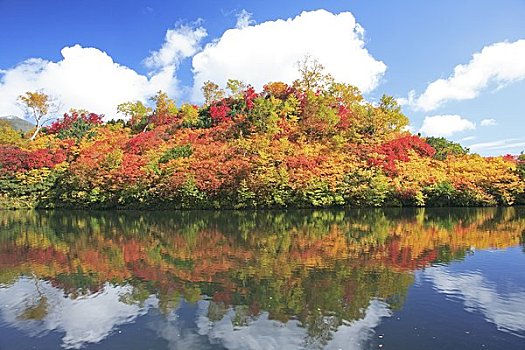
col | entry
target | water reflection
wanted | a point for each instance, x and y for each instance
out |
(38, 307)
(261, 332)
(505, 310)
(256, 280)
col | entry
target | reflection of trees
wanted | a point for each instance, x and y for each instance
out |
(523, 240)
(321, 267)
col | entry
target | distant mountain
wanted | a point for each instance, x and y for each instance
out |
(18, 123)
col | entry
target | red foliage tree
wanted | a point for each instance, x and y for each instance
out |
(249, 96)
(399, 150)
(143, 142)
(69, 119)
(220, 113)
(14, 159)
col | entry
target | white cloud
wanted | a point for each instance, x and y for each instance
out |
(244, 19)
(89, 78)
(270, 51)
(488, 122)
(500, 146)
(407, 101)
(178, 44)
(410, 128)
(500, 63)
(445, 125)
(85, 78)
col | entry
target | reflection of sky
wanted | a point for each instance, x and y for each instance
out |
(263, 333)
(356, 334)
(260, 333)
(505, 310)
(92, 318)
(177, 334)
(86, 319)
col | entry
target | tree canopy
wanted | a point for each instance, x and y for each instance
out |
(314, 143)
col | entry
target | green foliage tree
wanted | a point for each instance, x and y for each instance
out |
(236, 87)
(390, 118)
(445, 148)
(137, 112)
(176, 152)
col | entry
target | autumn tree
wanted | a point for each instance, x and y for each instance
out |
(316, 142)
(521, 164)
(211, 92)
(189, 115)
(236, 87)
(391, 118)
(141, 116)
(312, 75)
(75, 125)
(163, 104)
(8, 135)
(39, 106)
(137, 112)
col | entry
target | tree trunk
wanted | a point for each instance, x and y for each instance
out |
(37, 130)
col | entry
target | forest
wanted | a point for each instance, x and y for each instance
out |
(313, 143)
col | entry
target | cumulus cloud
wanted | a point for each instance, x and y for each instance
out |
(178, 44)
(500, 63)
(488, 122)
(445, 125)
(270, 51)
(89, 78)
(85, 78)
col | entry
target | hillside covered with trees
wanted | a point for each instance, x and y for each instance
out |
(314, 143)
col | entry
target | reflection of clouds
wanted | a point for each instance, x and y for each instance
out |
(357, 333)
(263, 333)
(86, 319)
(507, 311)
(90, 319)
(179, 337)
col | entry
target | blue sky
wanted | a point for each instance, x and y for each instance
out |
(175, 45)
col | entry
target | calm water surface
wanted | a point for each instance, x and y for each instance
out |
(367, 279)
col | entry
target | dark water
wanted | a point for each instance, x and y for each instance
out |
(369, 279)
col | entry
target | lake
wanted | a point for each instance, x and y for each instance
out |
(446, 278)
